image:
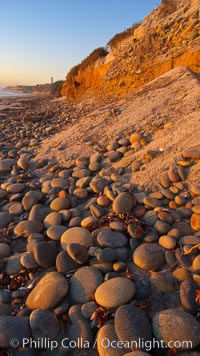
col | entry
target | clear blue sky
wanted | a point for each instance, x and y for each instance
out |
(44, 38)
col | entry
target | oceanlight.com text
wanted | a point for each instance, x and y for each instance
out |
(105, 343)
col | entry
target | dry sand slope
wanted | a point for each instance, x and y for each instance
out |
(166, 111)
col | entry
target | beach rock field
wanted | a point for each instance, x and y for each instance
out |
(100, 236)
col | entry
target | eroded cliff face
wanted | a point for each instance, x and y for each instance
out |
(167, 38)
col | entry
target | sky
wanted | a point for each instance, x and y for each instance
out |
(40, 39)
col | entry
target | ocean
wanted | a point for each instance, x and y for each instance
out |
(10, 94)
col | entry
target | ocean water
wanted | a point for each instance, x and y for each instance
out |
(10, 94)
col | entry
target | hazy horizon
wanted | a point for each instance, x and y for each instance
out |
(44, 39)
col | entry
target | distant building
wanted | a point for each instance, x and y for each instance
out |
(51, 80)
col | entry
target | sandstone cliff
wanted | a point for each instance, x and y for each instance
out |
(167, 38)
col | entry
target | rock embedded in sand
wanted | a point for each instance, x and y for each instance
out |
(124, 203)
(172, 324)
(149, 256)
(192, 153)
(115, 292)
(164, 180)
(135, 137)
(50, 290)
(83, 284)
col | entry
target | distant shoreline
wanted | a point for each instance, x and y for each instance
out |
(10, 94)
(14, 103)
